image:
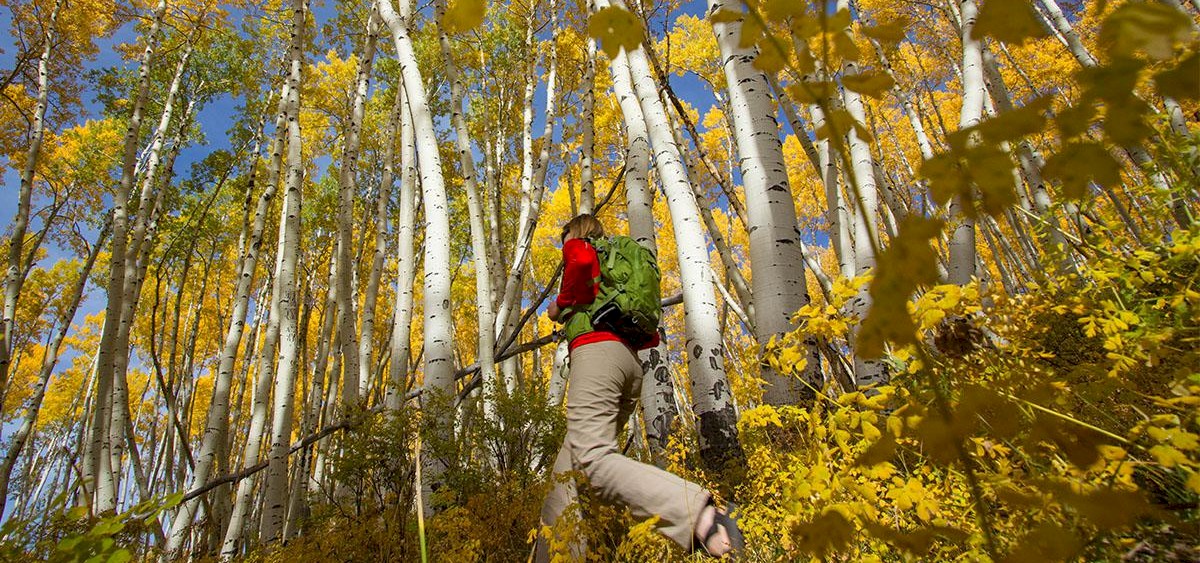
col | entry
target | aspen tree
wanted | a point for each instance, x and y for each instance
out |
(16, 243)
(486, 341)
(97, 466)
(438, 349)
(962, 241)
(714, 401)
(355, 382)
(25, 430)
(275, 490)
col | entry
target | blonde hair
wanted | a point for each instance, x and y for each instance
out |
(583, 226)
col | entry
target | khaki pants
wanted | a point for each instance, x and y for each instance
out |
(605, 380)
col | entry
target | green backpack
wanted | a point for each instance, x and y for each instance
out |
(629, 301)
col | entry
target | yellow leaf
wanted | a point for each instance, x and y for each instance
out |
(1017, 123)
(616, 29)
(769, 60)
(783, 10)
(1010, 21)
(1181, 82)
(726, 16)
(893, 31)
(1149, 27)
(1168, 456)
(872, 84)
(907, 263)
(827, 533)
(844, 47)
(1077, 164)
(811, 92)
(464, 15)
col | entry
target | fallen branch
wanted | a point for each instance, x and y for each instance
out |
(347, 423)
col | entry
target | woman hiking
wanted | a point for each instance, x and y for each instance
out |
(605, 380)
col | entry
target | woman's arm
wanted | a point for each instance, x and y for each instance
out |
(580, 268)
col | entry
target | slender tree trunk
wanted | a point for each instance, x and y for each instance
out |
(370, 304)
(714, 408)
(406, 264)
(14, 279)
(50, 359)
(275, 500)
(639, 200)
(98, 467)
(962, 241)
(354, 380)
(486, 342)
(587, 197)
(216, 427)
(439, 362)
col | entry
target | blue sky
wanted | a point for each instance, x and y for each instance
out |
(214, 117)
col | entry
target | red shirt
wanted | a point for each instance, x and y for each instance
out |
(581, 267)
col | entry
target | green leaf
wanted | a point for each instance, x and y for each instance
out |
(1076, 164)
(1010, 21)
(464, 15)
(172, 500)
(616, 29)
(68, 543)
(872, 84)
(1181, 82)
(1149, 27)
(120, 556)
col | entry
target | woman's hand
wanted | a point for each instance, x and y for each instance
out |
(553, 311)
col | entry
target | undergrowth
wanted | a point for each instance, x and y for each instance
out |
(1057, 425)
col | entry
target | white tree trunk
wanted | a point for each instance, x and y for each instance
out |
(406, 266)
(962, 241)
(370, 304)
(98, 468)
(714, 401)
(16, 243)
(216, 425)
(50, 359)
(587, 189)
(658, 404)
(275, 495)
(354, 380)
(486, 341)
(776, 262)
(439, 362)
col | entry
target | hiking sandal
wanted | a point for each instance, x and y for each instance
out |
(728, 522)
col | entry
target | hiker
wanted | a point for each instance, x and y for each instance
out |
(605, 380)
